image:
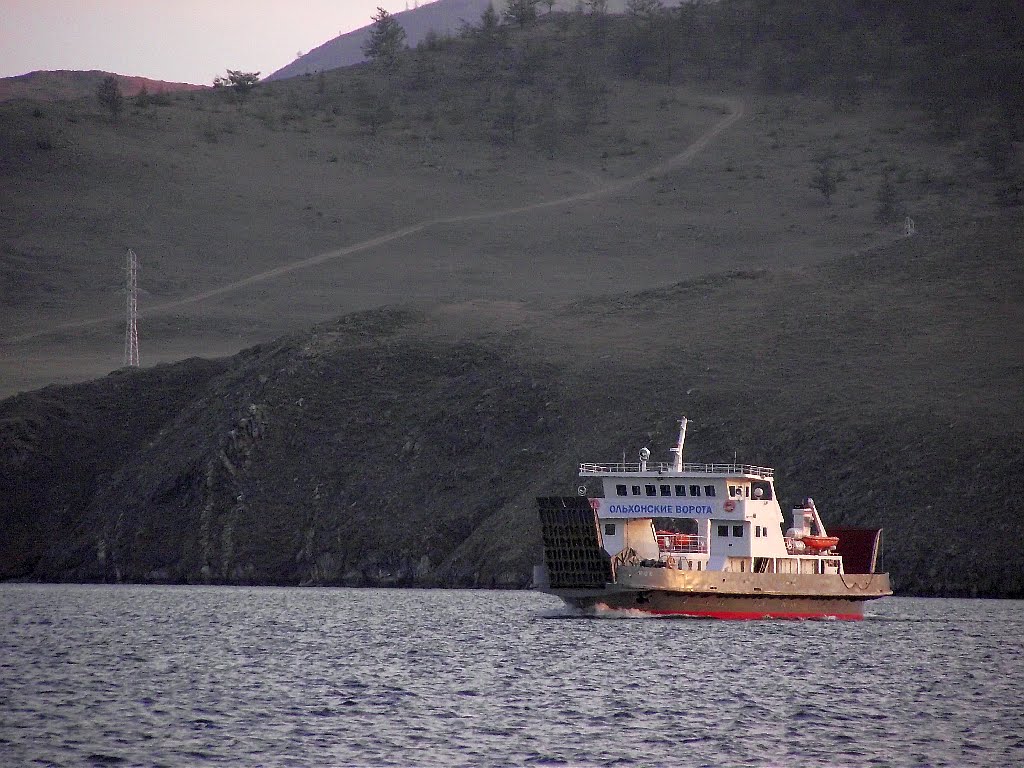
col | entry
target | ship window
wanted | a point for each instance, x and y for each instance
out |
(757, 531)
(651, 490)
(709, 490)
(620, 490)
(735, 490)
(695, 490)
(609, 529)
(666, 490)
(723, 530)
(737, 531)
(698, 565)
(636, 490)
(746, 490)
(680, 490)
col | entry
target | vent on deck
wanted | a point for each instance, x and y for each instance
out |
(573, 550)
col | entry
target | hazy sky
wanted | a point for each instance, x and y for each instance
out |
(177, 40)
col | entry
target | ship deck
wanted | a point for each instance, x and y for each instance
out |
(665, 469)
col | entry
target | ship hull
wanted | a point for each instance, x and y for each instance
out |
(719, 607)
(724, 595)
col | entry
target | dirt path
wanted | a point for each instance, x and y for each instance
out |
(736, 111)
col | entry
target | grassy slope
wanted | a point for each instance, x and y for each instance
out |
(207, 192)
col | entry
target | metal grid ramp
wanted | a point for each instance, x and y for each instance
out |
(573, 549)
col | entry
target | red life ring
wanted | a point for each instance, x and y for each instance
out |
(730, 505)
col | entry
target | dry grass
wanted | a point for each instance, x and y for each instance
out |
(209, 192)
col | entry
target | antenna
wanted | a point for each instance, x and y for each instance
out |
(131, 330)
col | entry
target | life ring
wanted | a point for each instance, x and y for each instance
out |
(730, 505)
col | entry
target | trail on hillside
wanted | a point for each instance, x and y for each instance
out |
(736, 112)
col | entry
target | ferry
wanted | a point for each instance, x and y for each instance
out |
(701, 540)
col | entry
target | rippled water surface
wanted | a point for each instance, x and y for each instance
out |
(130, 675)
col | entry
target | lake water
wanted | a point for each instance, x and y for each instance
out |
(131, 675)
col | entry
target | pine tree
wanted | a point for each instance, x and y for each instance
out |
(239, 82)
(521, 12)
(108, 93)
(386, 40)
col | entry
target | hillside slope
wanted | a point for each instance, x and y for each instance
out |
(74, 84)
(557, 291)
(455, 147)
(405, 446)
(440, 18)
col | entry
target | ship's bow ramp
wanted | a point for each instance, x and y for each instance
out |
(861, 548)
(573, 549)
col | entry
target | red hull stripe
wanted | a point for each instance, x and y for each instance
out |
(750, 615)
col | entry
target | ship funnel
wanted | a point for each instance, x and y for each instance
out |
(677, 461)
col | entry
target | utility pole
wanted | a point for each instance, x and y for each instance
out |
(131, 331)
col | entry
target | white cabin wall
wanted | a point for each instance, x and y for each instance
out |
(613, 542)
(640, 537)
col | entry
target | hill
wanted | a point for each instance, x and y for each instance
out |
(582, 227)
(70, 84)
(405, 446)
(441, 18)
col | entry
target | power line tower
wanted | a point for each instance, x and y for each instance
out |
(131, 330)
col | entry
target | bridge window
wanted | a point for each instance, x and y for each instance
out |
(620, 490)
(680, 490)
(695, 490)
(651, 490)
(609, 529)
(666, 490)
(723, 531)
(737, 531)
(709, 490)
(636, 490)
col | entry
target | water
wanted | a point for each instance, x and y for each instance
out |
(105, 675)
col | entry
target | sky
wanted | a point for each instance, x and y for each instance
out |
(175, 40)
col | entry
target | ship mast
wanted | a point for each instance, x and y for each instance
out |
(677, 462)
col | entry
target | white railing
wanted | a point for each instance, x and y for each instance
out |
(692, 545)
(663, 467)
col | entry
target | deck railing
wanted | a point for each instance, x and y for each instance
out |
(663, 467)
(694, 545)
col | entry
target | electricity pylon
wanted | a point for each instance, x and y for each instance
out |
(131, 331)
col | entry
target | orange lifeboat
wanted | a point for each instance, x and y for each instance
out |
(820, 543)
(682, 541)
